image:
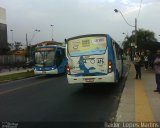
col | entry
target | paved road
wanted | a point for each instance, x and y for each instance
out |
(51, 99)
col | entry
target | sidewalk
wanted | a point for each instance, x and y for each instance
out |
(138, 101)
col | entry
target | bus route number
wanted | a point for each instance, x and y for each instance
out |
(100, 61)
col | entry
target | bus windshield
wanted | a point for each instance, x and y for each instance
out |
(87, 46)
(45, 56)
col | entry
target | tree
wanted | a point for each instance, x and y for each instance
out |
(146, 35)
(18, 45)
(143, 35)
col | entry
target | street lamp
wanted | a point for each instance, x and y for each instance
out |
(12, 35)
(34, 33)
(125, 35)
(28, 43)
(12, 43)
(135, 26)
(52, 31)
(37, 30)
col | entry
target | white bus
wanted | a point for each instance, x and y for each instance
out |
(94, 58)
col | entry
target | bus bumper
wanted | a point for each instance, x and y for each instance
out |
(91, 79)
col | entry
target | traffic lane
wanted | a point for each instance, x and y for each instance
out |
(25, 104)
(97, 104)
(12, 85)
(49, 95)
(54, 100)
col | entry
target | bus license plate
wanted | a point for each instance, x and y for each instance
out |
(89, 79)
(43, 72)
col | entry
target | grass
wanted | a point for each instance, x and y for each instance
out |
(16, 76)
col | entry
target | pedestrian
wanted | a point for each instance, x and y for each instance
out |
(157, 71)
(128, 60)
(151, 61)
(146, 62)
(137, 64)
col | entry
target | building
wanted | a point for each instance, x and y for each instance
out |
(50, 43)
(3, 31)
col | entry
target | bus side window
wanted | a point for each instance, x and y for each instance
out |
(63, 53)
(120, 53)
(117, 52)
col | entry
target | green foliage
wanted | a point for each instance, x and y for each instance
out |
(145, 36)
(142, 36)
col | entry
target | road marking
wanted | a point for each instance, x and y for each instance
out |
(22, 87)
(143, 112)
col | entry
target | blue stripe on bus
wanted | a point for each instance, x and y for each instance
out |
(61, 67)
(111, 54)
(86, 71)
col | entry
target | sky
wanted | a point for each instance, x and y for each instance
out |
(78, 17)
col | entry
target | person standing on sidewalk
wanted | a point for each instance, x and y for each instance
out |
(137, 64)
(157, 70)
(146, 62)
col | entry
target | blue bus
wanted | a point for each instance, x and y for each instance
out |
(50, 59)
(94, 58)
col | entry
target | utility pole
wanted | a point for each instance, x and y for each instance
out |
(12, 34)
(12, 44)
(52, 32)
(27, 55)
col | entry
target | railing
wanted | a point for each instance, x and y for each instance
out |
(12, 60)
